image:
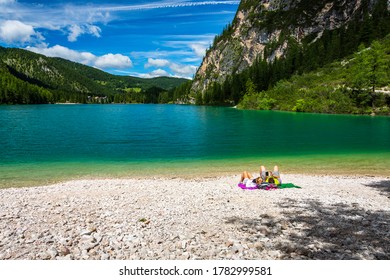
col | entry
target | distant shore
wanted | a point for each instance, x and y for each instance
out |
(67, 103)
(329, 217)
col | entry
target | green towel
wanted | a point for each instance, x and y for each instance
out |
(288, 186)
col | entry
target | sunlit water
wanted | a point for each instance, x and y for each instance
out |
(46, 143)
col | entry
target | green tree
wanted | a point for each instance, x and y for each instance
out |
(300, 106)
(250, 88)
(370, 67)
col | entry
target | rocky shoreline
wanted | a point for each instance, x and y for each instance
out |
(203, 218)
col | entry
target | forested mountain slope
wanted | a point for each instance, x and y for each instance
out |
(273, 40)
(30, 78)
(359, 84)
(270, 30)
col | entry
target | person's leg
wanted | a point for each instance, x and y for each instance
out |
(242, 177)
(246, 175)
(276, 171)
(277, 174)
(262, 172)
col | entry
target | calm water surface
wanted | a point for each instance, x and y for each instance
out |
(45, 143)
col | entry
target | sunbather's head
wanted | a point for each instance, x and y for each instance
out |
(259, 180)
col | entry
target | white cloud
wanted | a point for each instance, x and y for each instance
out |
(73, 20)
(106, 61)
(14, 31)
(7, 2)
(155, 73)
(168, 4)
(161, 53)
(94, 30)
(187, 49)
(156, 63)
(179, 70)
(63, 52)
(78, 30)
(183, 70)
(199, 49)
(113, 61)
(196, 45)
(75, 32)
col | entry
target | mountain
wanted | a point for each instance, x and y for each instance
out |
(271, 40)
(27, 77)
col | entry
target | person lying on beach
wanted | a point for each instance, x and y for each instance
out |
(270, 177)
(248, 180)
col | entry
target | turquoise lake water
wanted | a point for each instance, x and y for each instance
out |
(46, 143)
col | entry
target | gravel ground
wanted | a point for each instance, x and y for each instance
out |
(202, 218)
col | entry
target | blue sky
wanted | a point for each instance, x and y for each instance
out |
(138, 38)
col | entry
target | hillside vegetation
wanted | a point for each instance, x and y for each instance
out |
(359, 84)
(338, 67)
(30, 78)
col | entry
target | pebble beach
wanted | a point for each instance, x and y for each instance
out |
(209, 218)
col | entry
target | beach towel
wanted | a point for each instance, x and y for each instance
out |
(244, 187)
(289, 186)
(282, 186)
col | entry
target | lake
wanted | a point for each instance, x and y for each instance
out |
(41, 144)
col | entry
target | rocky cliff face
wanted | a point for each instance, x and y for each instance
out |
(262, 29)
